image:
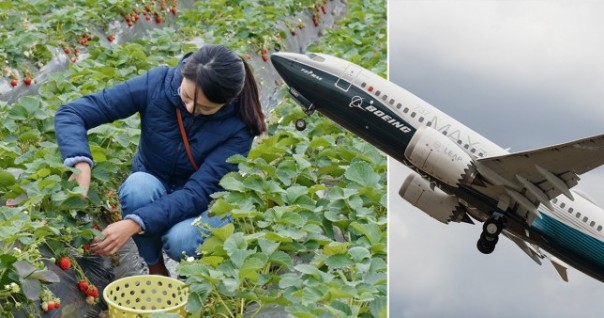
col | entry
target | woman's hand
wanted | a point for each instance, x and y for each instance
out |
(83, 177)
(115, 236)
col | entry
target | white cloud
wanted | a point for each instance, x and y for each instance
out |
(523, 73)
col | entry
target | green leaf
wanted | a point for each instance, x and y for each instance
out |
(282, 258)
(335, 248)
(338, 261)
(232, 182)
(359, 253)
(224, 232)
(378, 307)
(6, 179)
(235, 242)
(363, 174)
(268, 247)
(371, 231)
(289, 280)
(221, 207)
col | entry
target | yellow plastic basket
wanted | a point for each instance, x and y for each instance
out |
(142, 295)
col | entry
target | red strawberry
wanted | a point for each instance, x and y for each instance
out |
(27, 81)
(14, 83)
(315, 21)
(83, 285)
(147, 17)
(324, 9)
(265, 57)
(110, 38)
(65, 263)
(92, 291)
(157, 18)
(264, 51)
(130, 24)
(66, 50)
(83, 41)
(173, 10)
(51, 305)
(57, 304)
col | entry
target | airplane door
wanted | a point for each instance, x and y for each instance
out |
(347, 77)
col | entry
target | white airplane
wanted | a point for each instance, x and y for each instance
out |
(460, 175)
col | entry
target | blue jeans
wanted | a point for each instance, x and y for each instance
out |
(140, 189)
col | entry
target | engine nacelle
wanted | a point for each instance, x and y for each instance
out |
(439, 157)
(432, 200)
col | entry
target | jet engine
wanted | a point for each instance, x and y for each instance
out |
(432, 200)
(440, 157)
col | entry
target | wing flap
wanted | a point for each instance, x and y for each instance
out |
(534, 177)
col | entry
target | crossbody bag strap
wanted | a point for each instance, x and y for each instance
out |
(185, 140)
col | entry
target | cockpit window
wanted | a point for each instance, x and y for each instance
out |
(315, 57)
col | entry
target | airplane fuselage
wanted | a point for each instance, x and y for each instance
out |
(388, 117)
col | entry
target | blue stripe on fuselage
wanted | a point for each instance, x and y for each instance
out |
(572, 245)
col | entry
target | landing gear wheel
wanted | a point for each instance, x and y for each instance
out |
(492, 226)
(300, 124)
(485, 247)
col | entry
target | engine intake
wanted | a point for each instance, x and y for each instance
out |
(440, 157)
(432, 200)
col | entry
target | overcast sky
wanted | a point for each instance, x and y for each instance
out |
(526, 74)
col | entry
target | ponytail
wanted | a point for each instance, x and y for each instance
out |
(249, 105)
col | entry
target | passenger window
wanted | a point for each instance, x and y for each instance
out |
(555, 200)
(562, 205)
(413, 115)
(570, 210)
(585, 219)
(473, 150)
(385, 97)
(429, 124)
(399, 105)
(480, 154)
(592, 223)
(377, 93)
(421, 119)
(392, 102)
(406, 110)
(578, 215)
(466, 146)
(363, 85)
(599, 228)
(444, 132)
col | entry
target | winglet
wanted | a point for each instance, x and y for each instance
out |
(560, 268)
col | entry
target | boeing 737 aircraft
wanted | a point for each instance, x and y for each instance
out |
(461, 176)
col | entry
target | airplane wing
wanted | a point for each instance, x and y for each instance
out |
(537, 176)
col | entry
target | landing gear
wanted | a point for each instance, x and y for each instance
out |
(491, 229)
(300, 124)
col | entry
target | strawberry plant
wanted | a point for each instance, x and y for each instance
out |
(309, 208)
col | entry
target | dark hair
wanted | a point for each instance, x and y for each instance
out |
(224, 77)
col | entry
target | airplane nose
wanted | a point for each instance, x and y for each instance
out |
(281, 62)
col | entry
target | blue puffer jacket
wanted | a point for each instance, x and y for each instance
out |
(161, 151)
